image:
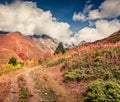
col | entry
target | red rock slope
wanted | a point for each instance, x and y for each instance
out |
(22, 47)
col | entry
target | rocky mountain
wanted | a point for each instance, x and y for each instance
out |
(36, 46)
(25, 47)
(48, 42)
(44, 42)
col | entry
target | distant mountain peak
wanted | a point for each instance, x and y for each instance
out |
(4, 32)
(43, 36)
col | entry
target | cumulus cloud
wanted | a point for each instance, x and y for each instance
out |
(99, 26)
(81, 16)
(103, 28)
(91, 23)
(87, 8)
(28, 19)
(107, 9)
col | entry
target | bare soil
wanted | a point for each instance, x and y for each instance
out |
(39, 84)
(11, 85)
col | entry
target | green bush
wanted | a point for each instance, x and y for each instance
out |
(62, 59)
(103, 64)
(77, 74)
(52, 63)
(20, 64)
(101, 91)
(24, 93)
(56, 62)
(9, 67)
(114, 39)
(93, 73)
(12, 61)
(116, 71)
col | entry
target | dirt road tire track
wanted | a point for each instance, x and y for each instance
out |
(15, 90)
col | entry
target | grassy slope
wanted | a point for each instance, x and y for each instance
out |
(90, 62)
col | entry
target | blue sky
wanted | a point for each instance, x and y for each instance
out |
(65, 20)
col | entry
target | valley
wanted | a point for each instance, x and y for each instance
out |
(76, 74)
(59, 50)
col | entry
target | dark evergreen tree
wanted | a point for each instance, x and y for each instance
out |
(60, 49)
(12, 61)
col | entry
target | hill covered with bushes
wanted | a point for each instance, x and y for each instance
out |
(96, 65)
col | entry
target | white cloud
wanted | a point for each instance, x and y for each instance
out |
(91, 23)
(28, 19)
(98, 18)
(108, 9)
(103, 28)
(87, 8)
(79, 16)
(107, 27)
(94, 14)
(82, 16)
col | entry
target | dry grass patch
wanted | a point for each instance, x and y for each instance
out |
(50, 90)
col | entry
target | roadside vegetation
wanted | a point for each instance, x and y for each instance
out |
(24, 93)
(56, 62)
(103, 64)
(114, 39)
(103, 91)
(87, 73)
(11, 66)
(97, 65)
(49, 89)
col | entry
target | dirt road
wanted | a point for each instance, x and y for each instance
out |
(19, 86)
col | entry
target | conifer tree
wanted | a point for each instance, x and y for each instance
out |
(60, 49)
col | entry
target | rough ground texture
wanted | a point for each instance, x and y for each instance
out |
(55, 87)
(39, 84)
(11, 86)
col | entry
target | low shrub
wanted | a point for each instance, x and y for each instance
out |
(56, 62)
(116, 71)
(19, 65)
(93, 73)
(10, 67)
(103, 91)
(100, 63)
(52, 63)
(115, 38)
(62, 59)
(24, 93)
(6, 68)
(76, 74)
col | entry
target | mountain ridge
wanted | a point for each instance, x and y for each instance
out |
(20, 46)
(36, 46)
